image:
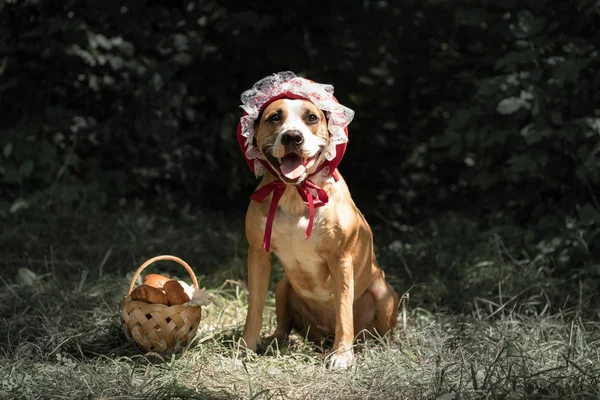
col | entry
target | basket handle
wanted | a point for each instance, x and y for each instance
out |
(159, 258)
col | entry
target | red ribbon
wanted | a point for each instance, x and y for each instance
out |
(277, 187)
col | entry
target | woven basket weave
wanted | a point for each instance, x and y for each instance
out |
(157, 327)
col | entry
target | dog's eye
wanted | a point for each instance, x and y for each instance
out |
(312, 118)
(275, 117)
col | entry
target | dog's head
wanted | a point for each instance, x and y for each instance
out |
(293, 127)
(292, 135)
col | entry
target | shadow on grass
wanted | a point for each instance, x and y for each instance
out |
(501, 343)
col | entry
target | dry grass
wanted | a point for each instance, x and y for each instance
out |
(60, 335)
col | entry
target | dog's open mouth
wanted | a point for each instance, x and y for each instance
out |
(292, 166)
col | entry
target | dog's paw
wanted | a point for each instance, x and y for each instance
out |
(245, 350)
(270, 344)
(341, 360)
(242, 353)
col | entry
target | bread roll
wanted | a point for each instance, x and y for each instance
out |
(156, 280)
(175, 293)
(149, 294)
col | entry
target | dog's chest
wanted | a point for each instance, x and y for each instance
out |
(307, 271)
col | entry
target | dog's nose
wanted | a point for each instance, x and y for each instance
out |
(292, 137)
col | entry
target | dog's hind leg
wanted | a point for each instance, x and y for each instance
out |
(386, 306)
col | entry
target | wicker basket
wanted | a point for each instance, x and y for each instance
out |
(157, 327)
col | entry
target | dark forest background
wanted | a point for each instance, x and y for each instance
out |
(486, 109)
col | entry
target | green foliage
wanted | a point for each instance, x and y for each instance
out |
(97, 94)
(497, 103)
(489, 108)
(522, 133)
(459, 261)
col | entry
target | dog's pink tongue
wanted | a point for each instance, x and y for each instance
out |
(292, 166)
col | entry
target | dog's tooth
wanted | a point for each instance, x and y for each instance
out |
(280, 160)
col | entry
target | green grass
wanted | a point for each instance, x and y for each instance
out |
(506, 335)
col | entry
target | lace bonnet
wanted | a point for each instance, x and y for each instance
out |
(288, 85)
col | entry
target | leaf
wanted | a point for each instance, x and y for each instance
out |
(522, 163)
(460, 119)
(525, 20)
(11, 175)
(509, 105)
(181, 42)
(85, 55)
(556, 117)
(511, 61)
(182, 59)
(588, 214)
(27, 276)
(497, 137)
(484, 180)
(380, 72)
(127, 48)
(365, 80)
(20, 204)
(103, 41)
(115, 62)
(533, 134)
(449, 138)
(26, 168)
(69, 193)
(512, 104)
(7, 150)
(470, 17)
(487, 88)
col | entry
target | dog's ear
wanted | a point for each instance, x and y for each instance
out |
(257, 121)
(326, 122)
(256, 124)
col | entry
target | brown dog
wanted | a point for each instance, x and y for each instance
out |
(332, 287)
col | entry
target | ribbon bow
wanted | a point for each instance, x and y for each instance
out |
(277, 187)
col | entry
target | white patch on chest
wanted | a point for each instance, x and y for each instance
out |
(307, 271)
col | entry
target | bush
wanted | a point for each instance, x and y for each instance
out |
(460, 105)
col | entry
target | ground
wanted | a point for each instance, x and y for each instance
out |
(65, 271)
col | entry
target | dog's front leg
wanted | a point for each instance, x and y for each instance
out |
(342, 274)
(259, 270)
